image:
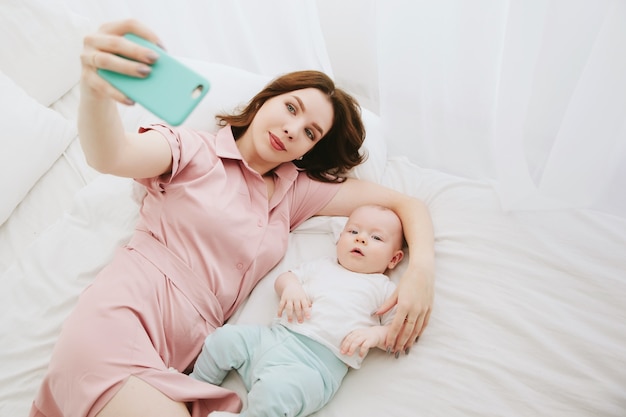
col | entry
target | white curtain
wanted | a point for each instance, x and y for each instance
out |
(269, 37)
(529, 94)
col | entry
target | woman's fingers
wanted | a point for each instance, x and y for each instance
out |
(108, 49)
(103, 89)
(118, 54)
(405, 330)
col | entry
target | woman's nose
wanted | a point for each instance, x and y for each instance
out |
(293, 128)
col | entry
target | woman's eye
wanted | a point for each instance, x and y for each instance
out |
(291, 108)
(309, 134)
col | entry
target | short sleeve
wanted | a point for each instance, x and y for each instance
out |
(184, 143)
(304, 269)
(387, 318)
(309, 197)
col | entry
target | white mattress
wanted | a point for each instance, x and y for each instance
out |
(528, 319)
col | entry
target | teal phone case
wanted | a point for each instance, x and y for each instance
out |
(171, 91)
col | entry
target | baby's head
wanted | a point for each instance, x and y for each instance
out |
(371, 241)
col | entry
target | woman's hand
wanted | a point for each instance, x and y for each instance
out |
(414, 300)
(107, 146)
(108, 49)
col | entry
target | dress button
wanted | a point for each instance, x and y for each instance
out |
(239, 265)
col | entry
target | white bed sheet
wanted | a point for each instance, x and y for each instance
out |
(42, 206)
(528, 317)
(528, 321)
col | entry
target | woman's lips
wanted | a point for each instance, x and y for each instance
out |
(276, 143)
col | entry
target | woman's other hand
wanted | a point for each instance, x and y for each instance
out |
(414, 300)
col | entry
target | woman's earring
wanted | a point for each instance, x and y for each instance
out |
(300, 159)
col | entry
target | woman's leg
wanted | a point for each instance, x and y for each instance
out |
(138, 398)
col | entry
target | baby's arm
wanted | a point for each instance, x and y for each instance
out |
(364, 340)
(293, 298)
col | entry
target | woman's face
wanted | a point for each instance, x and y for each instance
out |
(289, 125)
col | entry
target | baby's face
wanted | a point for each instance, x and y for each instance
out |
(370, 240)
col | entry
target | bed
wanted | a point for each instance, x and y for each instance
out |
(529, 316)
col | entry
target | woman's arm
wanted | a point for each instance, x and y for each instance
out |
(107, 147)
(415, 292)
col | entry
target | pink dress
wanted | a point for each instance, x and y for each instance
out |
(205, 237)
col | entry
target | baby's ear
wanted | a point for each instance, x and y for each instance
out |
(397, 257)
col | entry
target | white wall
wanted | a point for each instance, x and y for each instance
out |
(529, 94)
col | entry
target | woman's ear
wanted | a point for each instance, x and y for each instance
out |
(397, 257)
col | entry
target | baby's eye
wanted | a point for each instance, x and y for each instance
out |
(309, 134)
(352, 232)
(291, 108)
(375, 237)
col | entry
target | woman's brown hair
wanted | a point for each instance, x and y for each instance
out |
(339, 150)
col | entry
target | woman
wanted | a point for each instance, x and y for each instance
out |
(215, 220)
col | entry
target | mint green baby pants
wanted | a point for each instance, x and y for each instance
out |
(286, 374)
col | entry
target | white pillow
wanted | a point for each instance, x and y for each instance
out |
(40, 44)
(374, 166)
(232, 87)
(33, 137)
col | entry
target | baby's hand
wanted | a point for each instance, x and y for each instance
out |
(294, 301)
(363, 340)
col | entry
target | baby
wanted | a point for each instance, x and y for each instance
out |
(324, 327)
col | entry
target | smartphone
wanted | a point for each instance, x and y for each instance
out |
(171, 91)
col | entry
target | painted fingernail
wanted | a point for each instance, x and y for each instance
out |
(152, 57)
(388, 350)
(407, 350)
(397, 355)
(144, 70)
(373, 313)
